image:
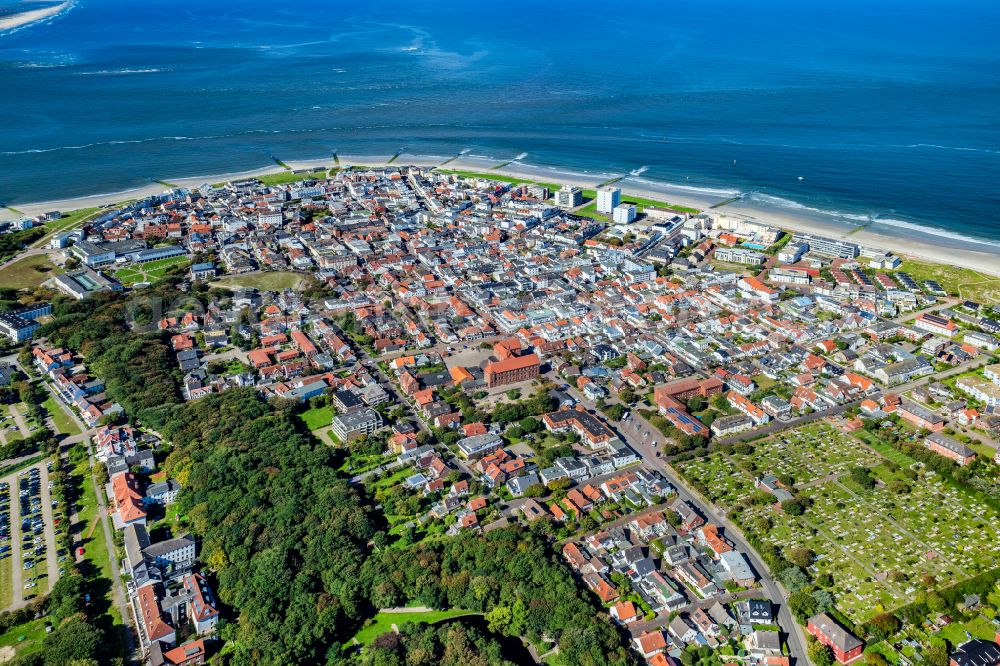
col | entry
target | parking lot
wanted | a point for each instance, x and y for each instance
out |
(28, 559)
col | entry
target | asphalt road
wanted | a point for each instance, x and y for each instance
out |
(631, 431)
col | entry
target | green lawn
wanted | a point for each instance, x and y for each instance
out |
(962, 282)
(885, 450)
(764, 382)
(266, 281)
(68, 220)
(497, 177)
(29, 272)
(384, 621)
(980, 627)
(590, 210)
(285, 177)
(63, 423)
(25, 638)
(148, 272)
(6, 591)
(96, 548)
(642, 202)
(317, 417)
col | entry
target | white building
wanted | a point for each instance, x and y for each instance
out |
(738, 256)
(623, 214)
(607, 199)
(569, 197)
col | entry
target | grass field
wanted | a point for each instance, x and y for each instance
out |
(590, 210)
(979, 627)
(68, 220)
(285, 177)
(317, 417)
(885, 450)
(63, 423)
(875, 544)
(384, 621)
(148, 272)
(96, 548)
(6, 591)
(499, 178)
(641, 202)
(962, 282)
(25, 638)
(29, 272)
(588, 194)
(267, 281)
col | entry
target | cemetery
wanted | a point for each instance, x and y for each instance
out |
(877, 544)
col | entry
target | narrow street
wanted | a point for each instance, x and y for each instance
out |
(648, 449)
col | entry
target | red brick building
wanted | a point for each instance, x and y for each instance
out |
(512, 370)
(920, 416)
(846, 646)
(949, 448)
(668, 400)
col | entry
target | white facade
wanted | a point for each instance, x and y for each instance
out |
(607, 199)
(623, 214)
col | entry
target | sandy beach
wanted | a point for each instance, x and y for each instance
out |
(24, 18)
(907, 243)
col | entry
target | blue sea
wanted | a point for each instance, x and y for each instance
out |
(862, 110)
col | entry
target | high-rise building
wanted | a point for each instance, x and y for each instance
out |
(607, 199)
(569, 196)
(623, 214)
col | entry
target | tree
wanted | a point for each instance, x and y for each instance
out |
(530, 424)
(803, 606)
(794, 578)
(72, 640)
(863, 477)
(719, 401)
(800, 556)
(824, 600)
(873, 658)
(66, 597)
(884, 625)
(819, 654)
(614, 412)
(935, 655)
(795, 506)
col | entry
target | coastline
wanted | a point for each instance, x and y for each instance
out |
(25, 18)
(907, 243)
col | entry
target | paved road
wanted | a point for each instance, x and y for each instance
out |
(85, 436)
(663, 619)
(648, 450)
(30, 252)
(50, 527)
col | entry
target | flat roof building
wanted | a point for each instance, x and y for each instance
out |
(356, 424)
(84, 282)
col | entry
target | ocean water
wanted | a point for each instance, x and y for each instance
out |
(868, 110)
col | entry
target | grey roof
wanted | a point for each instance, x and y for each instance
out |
(161, 548)
(843, 639)
(136, 540)
(353, 420)
(977, 652)
(162, 487)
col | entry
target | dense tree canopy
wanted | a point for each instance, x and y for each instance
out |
(301, 556)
